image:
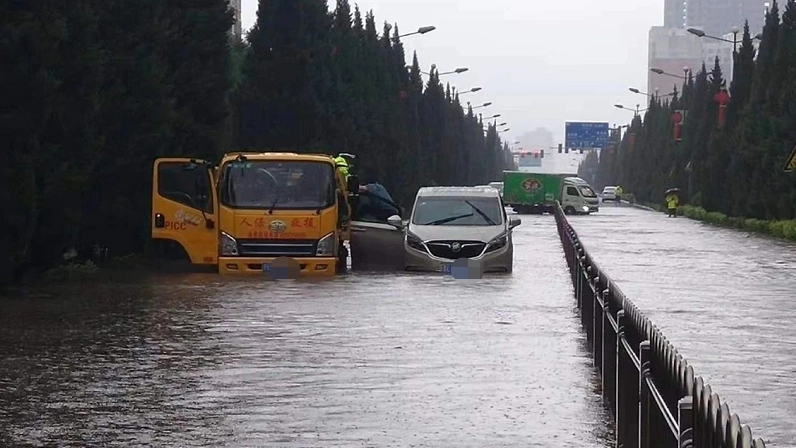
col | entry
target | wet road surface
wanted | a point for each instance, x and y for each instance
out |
(724, 298)
(361, 360)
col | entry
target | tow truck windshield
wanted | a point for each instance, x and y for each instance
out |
(277, 185)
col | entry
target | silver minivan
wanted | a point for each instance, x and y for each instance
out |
(450, 223)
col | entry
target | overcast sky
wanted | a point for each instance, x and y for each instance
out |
(540, 62)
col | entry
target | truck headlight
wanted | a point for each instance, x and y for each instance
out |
(498, 243)
(229, 247)
(326, 246)
(585, 209)
(414, 242)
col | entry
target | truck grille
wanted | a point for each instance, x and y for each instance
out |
(444, 249)
(277, 248)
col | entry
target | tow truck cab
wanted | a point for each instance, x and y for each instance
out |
(253, 208)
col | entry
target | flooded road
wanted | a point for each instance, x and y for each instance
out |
(360, 360)
(724, 298)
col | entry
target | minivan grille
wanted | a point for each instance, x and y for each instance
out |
(276, 248)
(444, 249)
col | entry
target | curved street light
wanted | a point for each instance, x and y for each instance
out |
(474, 89)
(650, 95)
(735, 30)
(483, 105)
(421, 30)
(457, 71)
(636, 110)
(661, 72)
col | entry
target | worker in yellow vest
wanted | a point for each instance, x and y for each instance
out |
(672, 201)
(342, 165)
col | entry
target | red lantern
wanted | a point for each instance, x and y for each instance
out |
(722, 97)
(677, 120)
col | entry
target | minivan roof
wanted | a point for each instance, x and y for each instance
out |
(486, 192)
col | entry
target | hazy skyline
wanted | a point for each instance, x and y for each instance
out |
(540, 63)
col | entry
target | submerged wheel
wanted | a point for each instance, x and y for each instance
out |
(342, 257)
(570, 210)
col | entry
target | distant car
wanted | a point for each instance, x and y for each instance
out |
(609, 194)
(449, 223)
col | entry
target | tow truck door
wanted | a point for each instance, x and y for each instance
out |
(184, 207)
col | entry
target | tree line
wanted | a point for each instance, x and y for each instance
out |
(93, 91)
(727, 160)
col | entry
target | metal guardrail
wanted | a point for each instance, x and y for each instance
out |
(653, 393)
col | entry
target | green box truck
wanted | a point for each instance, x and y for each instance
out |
(534, 193)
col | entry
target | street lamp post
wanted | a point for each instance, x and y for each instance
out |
(457, 71)
(474, 89)
(655, 95)
(699, 33)
(483, 105)
(636, 110)
(735, 30)
(497, 125)
(421, 30)
(686, 70)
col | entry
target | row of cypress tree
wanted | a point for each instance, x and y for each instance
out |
(94, 90)
(329, 82)
(735, 169)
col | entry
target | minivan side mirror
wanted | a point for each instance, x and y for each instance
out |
(514, 222)
(395, 221)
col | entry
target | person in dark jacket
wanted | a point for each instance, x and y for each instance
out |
(375, 203)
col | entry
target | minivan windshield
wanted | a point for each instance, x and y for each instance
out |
(274, 184)
(457, 211)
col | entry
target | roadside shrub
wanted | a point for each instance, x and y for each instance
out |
(689, 211)
(756, 225)
(717, 218)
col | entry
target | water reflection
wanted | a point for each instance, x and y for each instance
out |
(359, 360)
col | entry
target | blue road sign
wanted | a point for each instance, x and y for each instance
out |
(586, 135)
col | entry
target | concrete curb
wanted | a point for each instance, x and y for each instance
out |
(642, 207)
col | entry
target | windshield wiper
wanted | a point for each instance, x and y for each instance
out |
(480, 212)
(276, 200)
(447, 220)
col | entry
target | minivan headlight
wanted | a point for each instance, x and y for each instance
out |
(414, 242)
(498, 243)
(326, 246)
(229, 247)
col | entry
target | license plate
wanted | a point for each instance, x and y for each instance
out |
(266, 267)
(446, 268)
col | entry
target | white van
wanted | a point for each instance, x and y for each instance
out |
(578, 197)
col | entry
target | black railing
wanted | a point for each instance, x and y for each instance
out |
(656, 398)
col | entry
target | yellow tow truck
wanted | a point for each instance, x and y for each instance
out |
(253, 208)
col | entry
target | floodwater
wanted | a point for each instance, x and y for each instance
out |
(724, 298)
(355, 361)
